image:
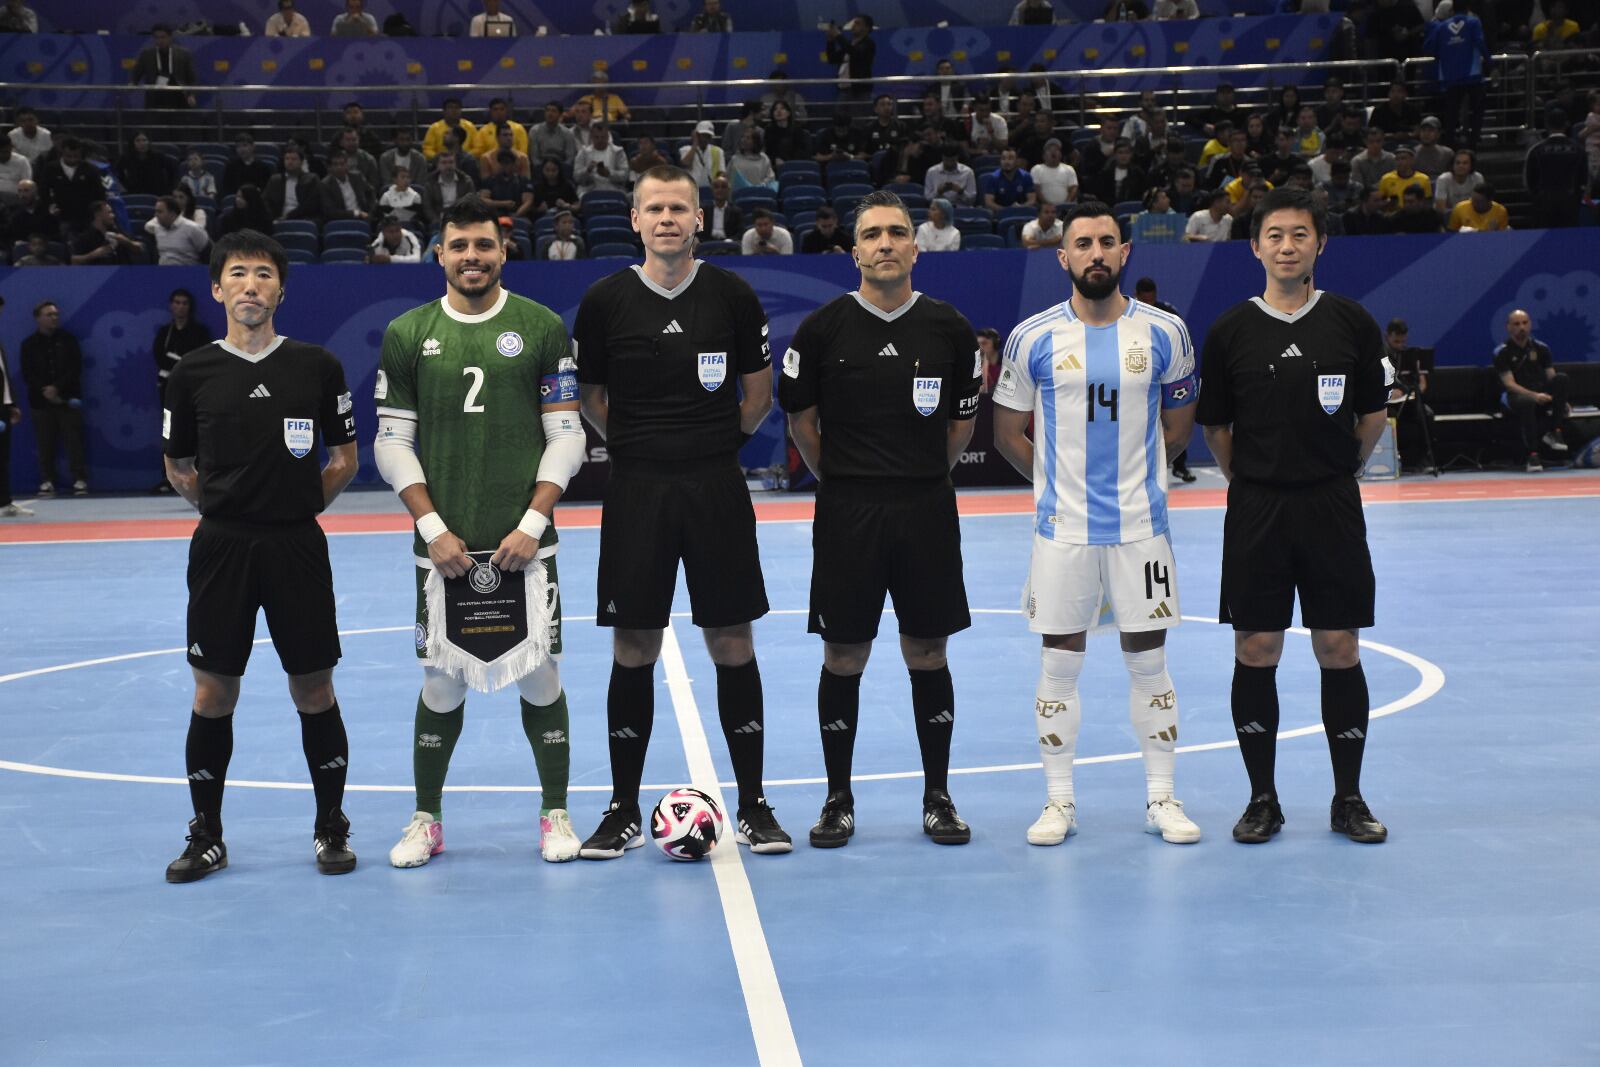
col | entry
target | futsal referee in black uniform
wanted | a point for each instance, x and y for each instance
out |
(241, 421)
(881, 386)
(675, 372)
(1293, 388)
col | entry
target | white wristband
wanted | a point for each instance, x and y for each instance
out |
(431, 527)
(533, 524)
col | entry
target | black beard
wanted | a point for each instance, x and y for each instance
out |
(488, 283)
(1095, 290)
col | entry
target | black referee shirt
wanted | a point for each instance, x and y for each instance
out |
(885, 385)
(1528, 365)
(172, 343)
(670, 360)
(251, 424)
(1293, 387)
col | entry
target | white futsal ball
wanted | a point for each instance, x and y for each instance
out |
(686, 824)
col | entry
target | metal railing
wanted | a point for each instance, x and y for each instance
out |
(311, 110)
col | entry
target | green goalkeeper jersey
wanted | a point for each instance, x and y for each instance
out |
(474, 384)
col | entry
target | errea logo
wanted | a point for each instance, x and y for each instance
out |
(430, 347)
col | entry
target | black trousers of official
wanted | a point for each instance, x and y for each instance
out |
(1554, 210)
(1474, 96)
(1534, 420)
(53, 426)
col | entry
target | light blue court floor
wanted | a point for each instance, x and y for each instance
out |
(1470, 938)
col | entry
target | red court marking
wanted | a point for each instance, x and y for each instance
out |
(799, 509)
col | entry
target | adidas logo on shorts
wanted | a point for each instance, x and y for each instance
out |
(333, 764)
(1252, 728)
(751, 727)
(625, 734)
(1162, 611)
(202, 775)
(836, 725)
(943, 716)
(194, 649)
(1352, 734)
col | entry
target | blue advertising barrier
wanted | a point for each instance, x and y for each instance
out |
(1455, 291)
(450, 17)
(344, 66)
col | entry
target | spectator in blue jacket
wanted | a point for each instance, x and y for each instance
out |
(1457, 43)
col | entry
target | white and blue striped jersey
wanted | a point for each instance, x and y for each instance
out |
(1096, 393)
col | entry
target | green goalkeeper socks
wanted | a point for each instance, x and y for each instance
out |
(433, 741)
(546, 728)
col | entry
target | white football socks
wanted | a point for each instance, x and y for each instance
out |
(1058, 713)
(1153, 707)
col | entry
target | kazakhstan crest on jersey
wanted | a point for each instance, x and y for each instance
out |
(508, 344)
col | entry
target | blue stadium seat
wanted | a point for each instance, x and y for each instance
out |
(360, 226)
(345, 239)
(613, 250)
(293, 240)
(603, 202)
(345, 255)
(1011, 230)
(1127, 207)
(298, 255)
(975, 227)
(801, 219)
(799, 172)
(838, 189)
(524, 244)
(1016, 211)
(985, 163)
(983, 241)
(846, 206)
(718, 248)
(544, 224)
(753, 196)
(847, 170)
(919, 215)
(803, 202)
(302, 226)
(608, 235)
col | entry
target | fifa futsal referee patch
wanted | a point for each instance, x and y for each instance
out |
(1330, 391)
(298, 436)
(713, 369)
(925, 394)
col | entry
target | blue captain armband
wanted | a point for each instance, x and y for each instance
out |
(560, 387)
(1185, 390)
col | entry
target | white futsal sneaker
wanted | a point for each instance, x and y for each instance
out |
(557, 841)
(1166, 817)
(423, 840)
(1055, 824)
(15, 511)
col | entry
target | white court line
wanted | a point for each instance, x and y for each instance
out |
(763, 999)
(1431, 682)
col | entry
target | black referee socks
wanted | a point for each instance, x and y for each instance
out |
(739, 706)
(1255, 720)
(328, 757)
(1344, 720)
(933, 704)
(205, 755)
(630, 712)
(838, 711)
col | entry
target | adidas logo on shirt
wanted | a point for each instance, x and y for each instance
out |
(889, 350)
(1292, 352)
(611, 607)
(194, 649)
(1161, 612)
(259, 392)
(1071, 362)
(673, 327)
(751, 727)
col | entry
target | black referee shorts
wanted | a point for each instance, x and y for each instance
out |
(1312, 539)
(873, 538)
(236, 568)
(658, 514)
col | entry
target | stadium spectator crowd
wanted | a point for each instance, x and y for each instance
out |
(978, 163)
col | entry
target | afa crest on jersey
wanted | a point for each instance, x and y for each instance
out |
(1136, 359)
(713, 370)
(925, 394)
(298, 436)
